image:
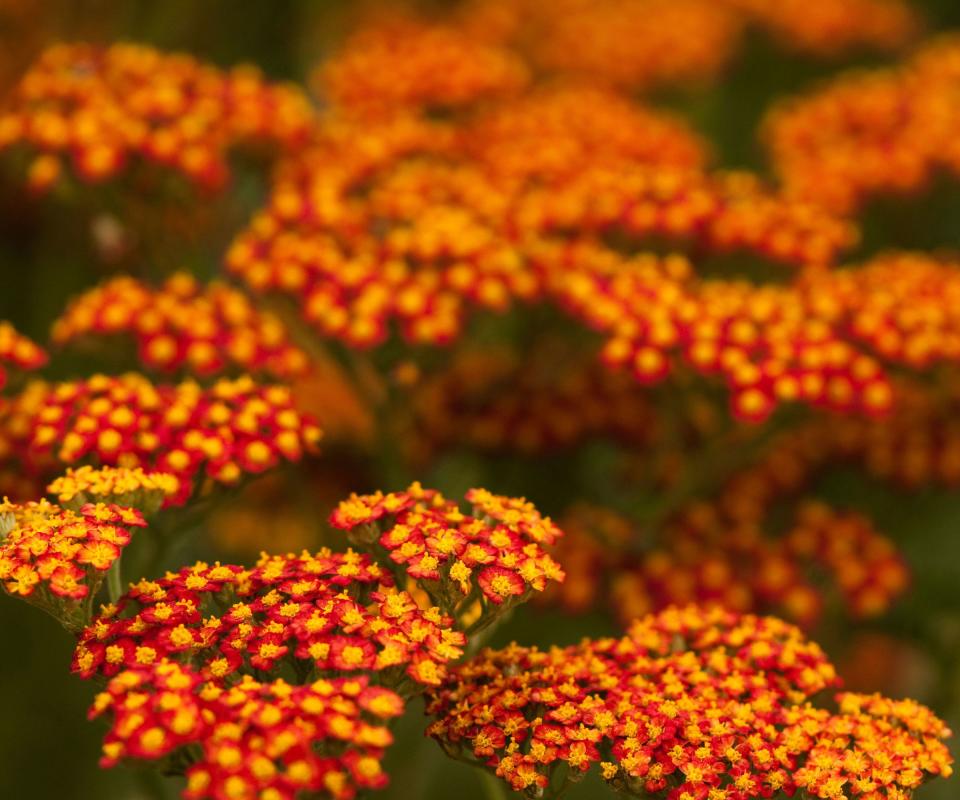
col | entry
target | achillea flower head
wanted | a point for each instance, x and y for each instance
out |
(904, 306)
(132, 488)
(18, 352)
(106, 107)
(475, 566)
(416, 248)
(712, 557)
(886, 131)
(690, 702)
(322, 615)
(264, 739)
(420, 237)
(550, 134)
(233, 428)
(827, 28)
(184, 327)
(495, 400)
(673, 41)
(643, 44)
(449, 218)
(400, 65)
(56, 558)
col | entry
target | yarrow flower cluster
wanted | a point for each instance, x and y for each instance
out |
(183, 326)
(493, 401)
(233, 428)
(531, 256)
(103, 108)
(549, 133)
(689, 704)
(18, 352)
(322, 615)
(255, 739)
(632, 44)
(131, 488)
(475, 566)
(881, 132)
(419, 240)
(56, 558)
(713, 556)
(400, 64)
(824, 340)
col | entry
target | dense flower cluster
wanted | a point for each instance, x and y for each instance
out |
(550, 133)
(885, 131)
(633, 44)
(56, 558)
(323, 615)
(492, 400)
(183, 326)
(690, 704)
(102, 108)
(711, 557)
(716, 548)
(399, 64)
(420, 239)
(438, 221)
(18, 352)
(920, 446)
(132, 488)
(255, 739)
(819, 340)
(233, 428)
(495, 556)
(533, 258)
(903, 307)
(769, 344)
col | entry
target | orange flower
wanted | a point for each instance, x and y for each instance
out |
(107, 107)
(182, 326)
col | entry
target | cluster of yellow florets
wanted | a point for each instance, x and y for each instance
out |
(122, 486)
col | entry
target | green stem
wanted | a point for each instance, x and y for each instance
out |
(152, 784)
(493, 787)
(115, 580)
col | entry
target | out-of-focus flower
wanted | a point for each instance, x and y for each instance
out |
(711, 556)
(635, 44)
(826, 28)
(132, 488)
(769, 344)
(431, 230)
(881, 132)
(263, 739)
(223, 432)
(184, 327)
(56, 558)
(476, 566)
(494, 401)
(18, 352)
(688, 703)
(553, 133)
(103, 108)
(905, 307)
(644, 44)
(399, 64)
(322, 615)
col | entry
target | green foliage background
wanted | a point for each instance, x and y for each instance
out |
(48, 751)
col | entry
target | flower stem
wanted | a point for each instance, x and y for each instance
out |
(493, 788)
(115, 580)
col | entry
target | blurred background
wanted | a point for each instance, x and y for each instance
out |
(49, 253)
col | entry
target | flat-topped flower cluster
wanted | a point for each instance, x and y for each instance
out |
(689, 704)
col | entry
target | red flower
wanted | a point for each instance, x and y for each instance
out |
(498, 584)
